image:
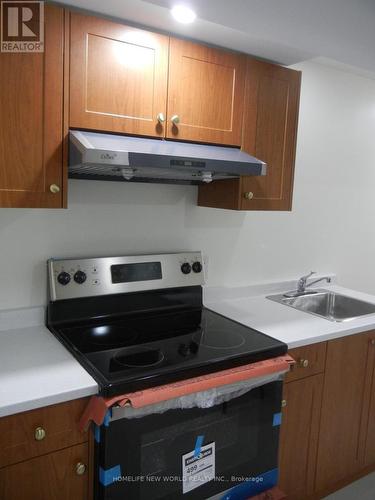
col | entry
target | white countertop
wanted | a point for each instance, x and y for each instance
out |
(35, 369)
(249, 306)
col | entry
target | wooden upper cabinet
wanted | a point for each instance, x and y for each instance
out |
(31, 121)
(118, 77)
(205, 92)
(269, 133)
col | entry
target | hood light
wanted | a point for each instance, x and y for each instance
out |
(183, 14)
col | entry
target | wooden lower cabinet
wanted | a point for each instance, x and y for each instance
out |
(43, 455)
(345, 429)
(368, 434)
(299, 436)
(327, 437)
(49, 477)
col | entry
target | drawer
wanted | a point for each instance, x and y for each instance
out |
(310, 360)
(61, 475)
(37, 432)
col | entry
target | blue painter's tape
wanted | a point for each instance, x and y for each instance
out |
(276, 419)
(198, 445)
(97, 433)
(253, 486)
(107, 477)
(107, 418)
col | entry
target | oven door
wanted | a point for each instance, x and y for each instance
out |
(226, 451)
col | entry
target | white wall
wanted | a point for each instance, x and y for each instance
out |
(331, 227)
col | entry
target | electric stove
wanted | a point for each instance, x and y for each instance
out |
(139, 321)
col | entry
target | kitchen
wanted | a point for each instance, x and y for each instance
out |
(322, 223)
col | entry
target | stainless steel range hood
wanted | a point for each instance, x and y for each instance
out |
(121, 158)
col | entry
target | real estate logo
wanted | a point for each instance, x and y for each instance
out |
(22, 26)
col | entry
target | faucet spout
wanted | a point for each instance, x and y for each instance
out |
(324, 278)
(302, 285)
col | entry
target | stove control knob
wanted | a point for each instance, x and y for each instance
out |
(197, 267)
(188, 349)
(184, 350)
(63, 278)
(186, 268)
(80, 277)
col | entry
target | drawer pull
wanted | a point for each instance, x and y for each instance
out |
(175, 119)
(161, 118)
(304, 363)
(80, 468)
(54, 188)
(39, 434)
(248, 195)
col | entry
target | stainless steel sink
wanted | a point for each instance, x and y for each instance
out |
(329, 305)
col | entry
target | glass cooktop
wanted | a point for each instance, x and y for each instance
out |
(147, 350)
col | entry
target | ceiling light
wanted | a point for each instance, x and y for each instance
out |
(183, 14)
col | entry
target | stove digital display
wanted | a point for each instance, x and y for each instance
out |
(140, 271)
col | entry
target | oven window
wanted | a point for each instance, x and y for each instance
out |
(232, 430)
(152, 447)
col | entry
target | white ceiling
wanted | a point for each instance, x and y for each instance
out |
(338, 32)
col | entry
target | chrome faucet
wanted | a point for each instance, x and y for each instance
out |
(302, 285)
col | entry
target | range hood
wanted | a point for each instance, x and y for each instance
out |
(110, 157)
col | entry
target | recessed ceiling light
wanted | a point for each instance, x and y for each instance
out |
(183, 14)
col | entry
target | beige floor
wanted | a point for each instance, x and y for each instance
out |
(364, 489)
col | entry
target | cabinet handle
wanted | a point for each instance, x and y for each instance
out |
(283, 403)
(175, 119)
(54, 188)
(160, 117)
(39, 434)
(80, 468)
(304, 363)
(248, 195)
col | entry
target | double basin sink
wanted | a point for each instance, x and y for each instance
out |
(327, 304)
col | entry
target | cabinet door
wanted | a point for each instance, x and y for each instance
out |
(118, 77)
(367, 439)
(299, 436)
(345, 402)
(49, 477)
(31, 121)
(368, 429)
(205, 92)
(270, 131)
